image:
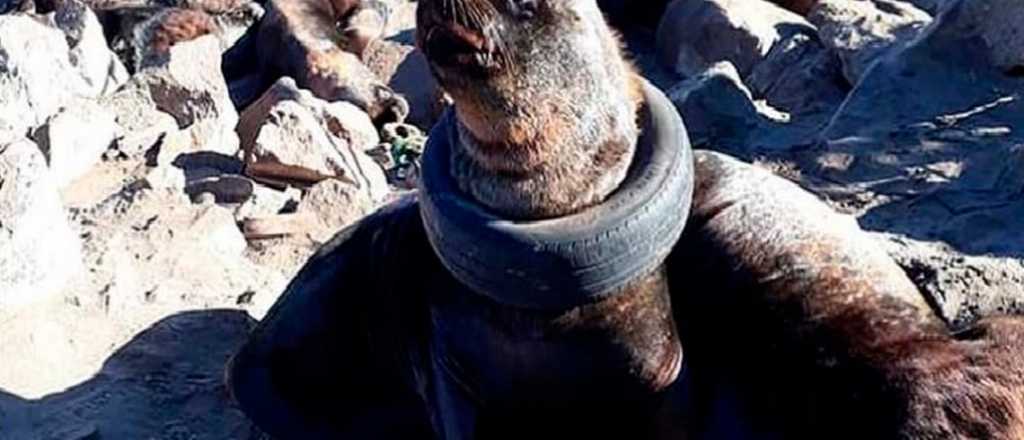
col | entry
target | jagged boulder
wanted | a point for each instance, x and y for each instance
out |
(290, 135)
(185, 92)
(39, 252)
(695, 34)
(719, 110)
(958, 72)
(861, 31)
(74, 139)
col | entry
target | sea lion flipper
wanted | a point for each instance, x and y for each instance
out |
(308, 370)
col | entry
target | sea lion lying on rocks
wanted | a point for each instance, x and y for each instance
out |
(319, 43)
(543, 285)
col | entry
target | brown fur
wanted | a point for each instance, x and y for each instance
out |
(179, 25)
(828, 328)
(301, 39)
(794, 325)
(548, 126)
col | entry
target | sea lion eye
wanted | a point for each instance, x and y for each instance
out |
(524, 9)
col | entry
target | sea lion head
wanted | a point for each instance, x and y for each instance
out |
(534, 83)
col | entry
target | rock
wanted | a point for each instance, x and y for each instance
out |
(861, 31)
(289, 134)
(153, 37)
(65, 48)
(800, 76)
(347, 122)
(719, 110)
(39, 252)
(962, 287)
(957, 64)
(266, 201)
(154, 248)
(166, 176)
(143, 124)
(695, 34)
(188, 88)
(99, 66)
(226, 189)
(335, 205)
(287, 46)
(365, 24)
(405, 70)
(69, 152)
(35, 60)
(282, 225)
(143, 31)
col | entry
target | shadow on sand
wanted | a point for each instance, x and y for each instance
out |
(166, 383)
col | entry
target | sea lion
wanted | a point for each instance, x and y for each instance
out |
(790, 321)
(302, 39)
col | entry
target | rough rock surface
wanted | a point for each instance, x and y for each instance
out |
(65, 48)
(719, 110)
(695, 34)
(861, 31)
(68, 153)
(39, 253)
(290, 135)
(800, 76)
(100, 67)
(185, 92)
(35, 58)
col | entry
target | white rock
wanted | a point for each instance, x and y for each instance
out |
(336, 205)
(860, 31)
(695, 34)
(39, 252)
(96, 63)
(346, 121)
(799, 75)
(954, 74)
(185, 97)
(36, 75)
(718, 109)
(290, 135)
(74, 139)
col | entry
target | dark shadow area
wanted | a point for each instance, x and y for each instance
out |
(166, 383)
(407, 36)
(203, 164)
(966, 191)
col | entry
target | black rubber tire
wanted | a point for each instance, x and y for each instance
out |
(568, 261)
